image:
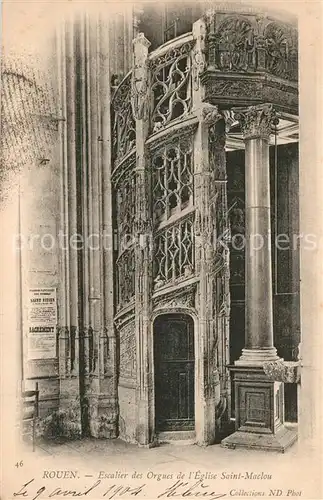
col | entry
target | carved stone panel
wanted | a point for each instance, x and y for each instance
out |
(178, 299)
(252, 43)
(231, 90)
(128, 351)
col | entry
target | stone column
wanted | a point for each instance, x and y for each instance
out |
(143, 256)
(209, 199)
(256, 124)
(205, 393)
(206, 387)
(108, 402)
(259, 401)
(92, 262)
(68, 326)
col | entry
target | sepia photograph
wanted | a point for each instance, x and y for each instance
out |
(161, 253)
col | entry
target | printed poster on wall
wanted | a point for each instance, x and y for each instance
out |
(42, 323)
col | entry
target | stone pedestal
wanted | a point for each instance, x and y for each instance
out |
(259, 404)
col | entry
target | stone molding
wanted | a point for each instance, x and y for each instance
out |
(283, 371)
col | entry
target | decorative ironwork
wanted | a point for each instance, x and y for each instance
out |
(171, 85)
(125, 277)
(173, 252)
(124, 127)
(172, 178)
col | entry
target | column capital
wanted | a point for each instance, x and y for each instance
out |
(256, 121)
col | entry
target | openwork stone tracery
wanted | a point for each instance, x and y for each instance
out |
(171, 85)
(174, 253)
(124, 236)
(124, 129)
(172, 166)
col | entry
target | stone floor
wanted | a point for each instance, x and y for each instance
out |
(228, 472)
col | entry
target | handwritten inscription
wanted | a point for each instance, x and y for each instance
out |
(113, 491)
(120, 484)
(183, 489)
(179, 489)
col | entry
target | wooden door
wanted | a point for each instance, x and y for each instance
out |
(174, 372)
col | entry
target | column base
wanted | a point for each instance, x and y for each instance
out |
(259, 412)
(205, 421)
(257, 357)
(278, 442)
(145, 436)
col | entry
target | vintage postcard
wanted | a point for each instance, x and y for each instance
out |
(161, 222)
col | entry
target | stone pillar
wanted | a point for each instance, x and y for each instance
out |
(259, 401)
(91, 187)
(68, 321)
(204, 387)
(259, 343)
(108, 402)
(209, 193)
(143, 255)
(98, 370)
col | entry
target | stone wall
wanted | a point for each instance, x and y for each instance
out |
(29, 147)
(127, 382)
(127, 413)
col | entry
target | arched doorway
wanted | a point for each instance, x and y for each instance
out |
(174, 372)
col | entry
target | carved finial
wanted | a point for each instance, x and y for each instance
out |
(140, 77)
(141, 39)
(210, 114)
(198, 54)
(256, 121)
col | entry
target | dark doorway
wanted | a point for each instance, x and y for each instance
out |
(174, 372)
(236, 208)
